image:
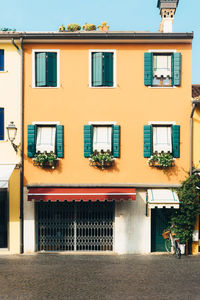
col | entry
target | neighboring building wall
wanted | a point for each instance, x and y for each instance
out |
(196, 165)
(10, 86)
(131, 104)
(196, 138)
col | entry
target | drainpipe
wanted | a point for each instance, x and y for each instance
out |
(191, 138)
(21, 52)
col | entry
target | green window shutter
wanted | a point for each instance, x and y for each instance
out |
(51, 69)
(31, 140)
(88, 140)
(108, 69)
(97, 69)
(176, 69)
(60, 141)
(116, 140)
(40, 69)
(176, 141)
(148, 68)
(148, 140)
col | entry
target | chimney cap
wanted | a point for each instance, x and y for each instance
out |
(167, 3)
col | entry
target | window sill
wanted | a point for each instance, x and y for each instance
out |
(3, 72)
(45, 87)
(102, 87)
(162, 87)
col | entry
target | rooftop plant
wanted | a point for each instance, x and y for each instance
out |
(73, 27)
(89, 27)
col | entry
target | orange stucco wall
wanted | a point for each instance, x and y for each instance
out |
(131, 105)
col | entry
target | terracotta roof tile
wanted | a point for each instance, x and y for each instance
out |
(195, 90)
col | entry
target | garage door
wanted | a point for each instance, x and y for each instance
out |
(159, 221)
(72, 226)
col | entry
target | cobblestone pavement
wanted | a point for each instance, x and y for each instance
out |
(99, 277)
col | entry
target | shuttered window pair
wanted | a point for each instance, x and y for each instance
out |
(1, 60)
(45, 69)
(161, 138)
(102, 69)
(1, 124)
(110, 139)
(162, 69)
(46, 138)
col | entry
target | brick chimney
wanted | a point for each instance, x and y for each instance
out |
(167, 12)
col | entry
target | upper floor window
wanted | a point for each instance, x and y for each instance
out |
(45, 68)
(162, 137)
(102, 138)
(102, 71)
(1, 60)
(162, 69)
(46, 138)
(1, 123)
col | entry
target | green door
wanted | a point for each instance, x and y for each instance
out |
(159, 221)
(3, 219)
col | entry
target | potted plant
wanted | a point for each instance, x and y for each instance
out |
(73, 27)
(101, 159)
(161, 160)
(103, 26)
(89, 27)
(45, 160)
(62, 28)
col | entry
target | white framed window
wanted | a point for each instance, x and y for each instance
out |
(102, 138)
(45, 68)
(162, 139)
(162, 69)
(102, 68)
(46, 139)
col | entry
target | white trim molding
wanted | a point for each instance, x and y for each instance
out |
(162, 123)
(114, 69)
(33, 68)
(106, 123)
(162, 50)
(45, 123)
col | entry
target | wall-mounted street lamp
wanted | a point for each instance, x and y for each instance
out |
(12, 131)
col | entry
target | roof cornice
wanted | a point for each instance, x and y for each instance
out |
(110, 36)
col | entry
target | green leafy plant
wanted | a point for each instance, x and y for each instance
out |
(45, 160)
(62, 28)
(162, 160)
(184, 219)
(73, 27)
(102, 159)
(89, 27)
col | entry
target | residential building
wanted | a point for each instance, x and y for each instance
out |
(195, 156)
(10, 161)
(126, 92)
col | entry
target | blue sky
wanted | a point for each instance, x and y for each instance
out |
(47, 15)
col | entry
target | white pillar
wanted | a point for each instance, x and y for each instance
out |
(29, 224)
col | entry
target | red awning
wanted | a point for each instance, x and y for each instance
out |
(81, 194)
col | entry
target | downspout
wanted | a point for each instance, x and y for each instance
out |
(21, 52)
(191, 138)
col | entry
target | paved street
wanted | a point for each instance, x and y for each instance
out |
(75, 277)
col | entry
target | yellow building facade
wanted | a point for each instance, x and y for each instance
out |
(10, 161)
(195, 161)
